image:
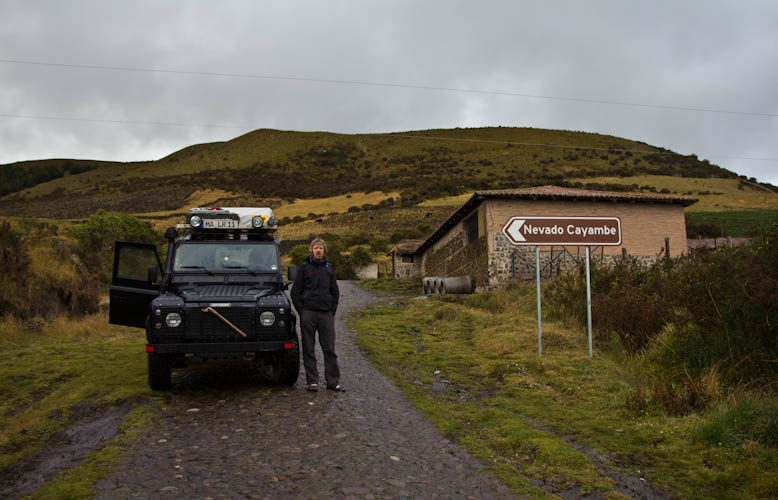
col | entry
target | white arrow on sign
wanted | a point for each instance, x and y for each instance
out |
(513, 230)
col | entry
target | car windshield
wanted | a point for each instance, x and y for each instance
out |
(226, 255)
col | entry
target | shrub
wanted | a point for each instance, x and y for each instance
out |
(676, 391)
(344, 269)
(424, 229)
(360, 256)
(406, 234)
(298, 254)
(713, 311)
(42, 276)
(379, 245)
(102, 229)
(15, 265)
(96, 237)
(358, 239)
(564, 298)
(696, 229)
(636, 316)
(397, 236)
(731, 295)
(747, 417)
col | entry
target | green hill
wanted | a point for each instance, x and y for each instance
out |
(277, 165)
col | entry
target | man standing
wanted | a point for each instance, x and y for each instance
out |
(315, 295)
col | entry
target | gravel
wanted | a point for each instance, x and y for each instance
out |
(230, 435)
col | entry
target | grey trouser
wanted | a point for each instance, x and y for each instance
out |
(324, 322)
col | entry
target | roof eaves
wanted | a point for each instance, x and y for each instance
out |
(613, 197)
(451, 221)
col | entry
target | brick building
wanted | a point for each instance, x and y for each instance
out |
(471, 241)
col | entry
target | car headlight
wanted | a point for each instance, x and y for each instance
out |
(267, 318)
(173, 320)
(257, 221)
(272, 221)
(195, 221)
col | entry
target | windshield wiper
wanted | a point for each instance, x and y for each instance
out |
(253, 273)
(200, 268)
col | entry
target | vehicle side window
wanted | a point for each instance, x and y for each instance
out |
(135, 262)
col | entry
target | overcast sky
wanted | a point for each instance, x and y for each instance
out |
(138, 80)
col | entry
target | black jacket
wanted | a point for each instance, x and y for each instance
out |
(315, 287)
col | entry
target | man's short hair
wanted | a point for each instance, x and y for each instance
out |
(318, 241)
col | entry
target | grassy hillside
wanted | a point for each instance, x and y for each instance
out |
(17, 176)
(277, 167)
(714, 194)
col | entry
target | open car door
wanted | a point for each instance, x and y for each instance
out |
(135, 283)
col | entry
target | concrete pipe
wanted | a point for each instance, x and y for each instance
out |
(458, 284)
(425, 285)
(431, 285)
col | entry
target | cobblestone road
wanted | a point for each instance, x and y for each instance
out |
(230, 438)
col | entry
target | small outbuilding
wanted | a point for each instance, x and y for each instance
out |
(471, 242)
(405, 264)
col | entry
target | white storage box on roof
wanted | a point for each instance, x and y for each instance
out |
(227, 218)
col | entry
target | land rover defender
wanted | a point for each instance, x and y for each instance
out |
(218, 296)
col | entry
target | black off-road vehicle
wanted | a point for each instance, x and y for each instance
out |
(220, 295)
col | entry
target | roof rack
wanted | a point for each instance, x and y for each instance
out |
(229, 219)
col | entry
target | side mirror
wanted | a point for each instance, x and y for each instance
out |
(291, 272)
(152, 274)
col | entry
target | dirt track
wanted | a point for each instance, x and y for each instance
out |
(232, 436)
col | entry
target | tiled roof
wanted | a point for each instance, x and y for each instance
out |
(550, 193)
(555, 192)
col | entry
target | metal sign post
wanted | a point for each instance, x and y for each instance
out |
(563, 231)
(588, 303)
(537, 281)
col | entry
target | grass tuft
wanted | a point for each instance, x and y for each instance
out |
(741, 420)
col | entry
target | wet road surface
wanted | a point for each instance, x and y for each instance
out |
(231, 436)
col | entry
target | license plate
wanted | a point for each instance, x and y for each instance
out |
(220, 224)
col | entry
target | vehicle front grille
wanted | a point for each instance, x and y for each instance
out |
(207, 327)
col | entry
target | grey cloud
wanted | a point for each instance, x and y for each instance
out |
(699, 54)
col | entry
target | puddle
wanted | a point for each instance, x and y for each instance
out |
(67, 448)
(626, 484)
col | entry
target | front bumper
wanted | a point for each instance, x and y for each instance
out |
(205, 348)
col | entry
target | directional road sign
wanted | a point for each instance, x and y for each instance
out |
(568, 231)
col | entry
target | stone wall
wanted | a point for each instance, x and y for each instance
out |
(455, 258)
(508, 262)
(405, 270)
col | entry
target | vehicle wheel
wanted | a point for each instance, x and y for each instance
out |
(286, 365)
(159, 372)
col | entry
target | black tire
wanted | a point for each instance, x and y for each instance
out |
(159, 372)
(286, 365)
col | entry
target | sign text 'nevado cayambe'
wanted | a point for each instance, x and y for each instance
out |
(573, 231)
